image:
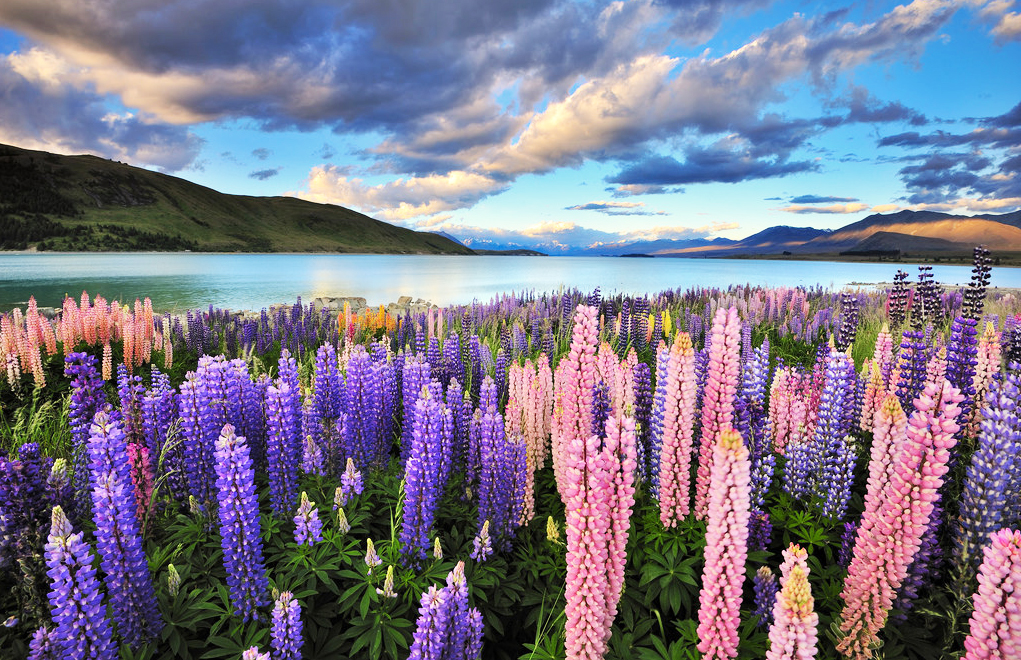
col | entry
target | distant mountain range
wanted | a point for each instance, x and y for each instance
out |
(54, 202)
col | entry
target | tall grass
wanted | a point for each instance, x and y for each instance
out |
(42, 420)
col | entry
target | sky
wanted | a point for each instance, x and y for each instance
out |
(554, 123)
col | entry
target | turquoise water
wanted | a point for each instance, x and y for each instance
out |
(253, 281)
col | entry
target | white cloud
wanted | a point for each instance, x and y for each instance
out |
(400, 199)
(853, 207)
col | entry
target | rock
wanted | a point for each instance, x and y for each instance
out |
(404, 301)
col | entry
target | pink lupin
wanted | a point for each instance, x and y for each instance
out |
(575, 379)
(987, 365)
(678, 429)
(899, 500)
(727, 514)
(995, 626)
(718, 398)
(793, 634)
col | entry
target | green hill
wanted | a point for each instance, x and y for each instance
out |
(87, 203)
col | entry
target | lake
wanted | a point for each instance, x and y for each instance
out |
(177, 281)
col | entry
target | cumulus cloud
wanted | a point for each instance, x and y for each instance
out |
(853, 207)
(43, 107)
(401, 199)
(1006, 24)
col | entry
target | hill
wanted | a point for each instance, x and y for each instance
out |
(88, 203)
(967, 231)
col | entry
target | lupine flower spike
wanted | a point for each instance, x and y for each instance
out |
(727, 513)
(285, 628)
(793, 634)
(995, 626)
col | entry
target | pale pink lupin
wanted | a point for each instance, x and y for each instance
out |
(718, 398)
(793, 634)
(995, 626)
(727, 513)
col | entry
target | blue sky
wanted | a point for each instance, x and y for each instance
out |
(540, 122)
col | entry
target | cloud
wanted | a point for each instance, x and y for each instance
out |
(885, 208)
(864, 108)
(261, 153)
(1006, 24)
(973, 205)
(716, 164)
(615, 208)
(631, 189)
(262, 175)
(475, 95)
(853, 207)
(941, 176)
(326, 152)
(819, 199)
(42, 108)
(401, 199)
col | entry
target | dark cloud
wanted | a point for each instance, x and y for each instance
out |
(56, 117)
(864, 108)
(261, 153)
(615, 208)
(707, 166)
(819, 199)
(262, 175)
(1000, 131)
(326, 152)
(942, 175)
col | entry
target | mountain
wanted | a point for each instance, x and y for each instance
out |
(999, 231)
(661, 247)
(773, 240)
(911, 232)
(890, 241)
(90, 203)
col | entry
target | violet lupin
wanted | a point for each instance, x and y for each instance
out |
(836, 471)
(424, 475)
(765, 588)
(282, 449)
(86, 398)
(447, 627)
(240, 534)
(43, 646)
(118, 535)
(285, 627)
(351, 481)
(308, 529)
(82, 630)
(989, 488)
(363, 403)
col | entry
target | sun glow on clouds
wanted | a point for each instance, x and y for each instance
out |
(400, 199)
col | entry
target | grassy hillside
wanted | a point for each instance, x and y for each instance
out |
(56, 202)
